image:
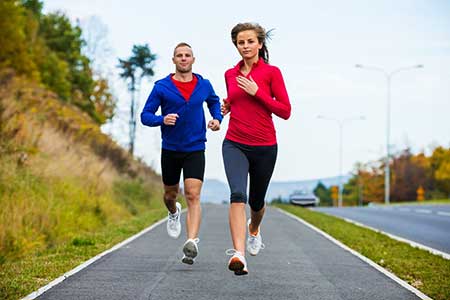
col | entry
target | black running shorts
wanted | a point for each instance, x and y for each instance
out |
(172, 162)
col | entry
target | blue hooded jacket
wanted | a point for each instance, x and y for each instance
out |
(189, 132)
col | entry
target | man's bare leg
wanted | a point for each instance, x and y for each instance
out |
(192, 188)
(170, 197)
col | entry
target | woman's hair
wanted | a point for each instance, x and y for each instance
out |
(260, 33)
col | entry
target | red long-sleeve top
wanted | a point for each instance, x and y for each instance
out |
(251, 116)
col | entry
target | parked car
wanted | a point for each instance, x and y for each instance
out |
(304, 198)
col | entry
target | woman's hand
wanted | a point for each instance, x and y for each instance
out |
(225, 107)
(248, 85)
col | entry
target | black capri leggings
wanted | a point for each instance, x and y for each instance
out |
(241, 160)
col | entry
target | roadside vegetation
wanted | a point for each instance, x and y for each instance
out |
(427, 272)
(417, 177)
(67, 190)
(48, 49)
(51, 223)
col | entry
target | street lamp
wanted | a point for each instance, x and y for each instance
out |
(341, 123)
(388, 76)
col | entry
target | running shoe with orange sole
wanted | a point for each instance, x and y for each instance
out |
(237, 263)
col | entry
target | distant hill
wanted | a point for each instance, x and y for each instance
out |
(216, 191)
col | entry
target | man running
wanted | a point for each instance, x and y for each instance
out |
(183, 130)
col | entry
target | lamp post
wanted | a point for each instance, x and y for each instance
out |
(341, 123)
(388, 76)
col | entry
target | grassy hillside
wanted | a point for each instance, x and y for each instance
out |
(67, 191)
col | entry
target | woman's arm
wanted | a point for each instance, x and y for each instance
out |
(279, 104)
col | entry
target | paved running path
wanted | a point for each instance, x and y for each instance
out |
(297, 263)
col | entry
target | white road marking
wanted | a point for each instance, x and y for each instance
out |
(423, 211)
(443, 213)
(58, 280)
(404, 209)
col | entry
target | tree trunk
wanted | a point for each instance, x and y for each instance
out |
(132, 129)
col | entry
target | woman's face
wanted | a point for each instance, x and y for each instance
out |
(247, 44)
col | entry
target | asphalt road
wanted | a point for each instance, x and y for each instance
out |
(425, 224)
(298, 263)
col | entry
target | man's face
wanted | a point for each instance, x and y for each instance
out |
(183, 59)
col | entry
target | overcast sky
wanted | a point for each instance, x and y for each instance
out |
(316, 44)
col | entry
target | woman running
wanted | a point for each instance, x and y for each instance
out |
(256, 90)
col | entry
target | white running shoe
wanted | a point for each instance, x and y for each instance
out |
(173, 223)
(190, 250)
(254, 242)
(237, 262)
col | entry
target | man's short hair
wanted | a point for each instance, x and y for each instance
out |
(182, 44)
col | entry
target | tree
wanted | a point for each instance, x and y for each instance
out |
(323, 194)
(104, 101)
(440, 167)
(134, 69)
(407, 176)
(352, 194)
(47, 48)
(65, 40)
(97, 46)
(277, 200)
(34, 6)
(14, 49)
(371, 180)
(128, 73)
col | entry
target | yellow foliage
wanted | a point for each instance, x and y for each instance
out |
(443, 173)
(14, 49)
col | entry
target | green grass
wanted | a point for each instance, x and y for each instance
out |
(427, 272)
(49, 225)
(20, 277)
(40, 212)
(76, 194)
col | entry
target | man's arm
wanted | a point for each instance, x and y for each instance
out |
(148, 116)
(213, 102)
